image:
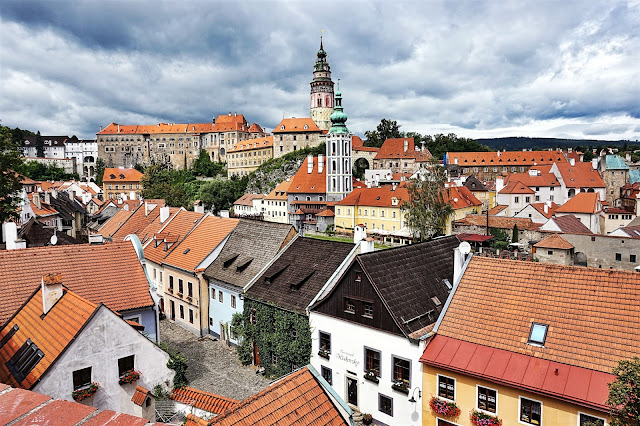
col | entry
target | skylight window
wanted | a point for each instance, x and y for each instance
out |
(538, 333)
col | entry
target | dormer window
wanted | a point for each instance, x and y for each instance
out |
(538, 334)
(121, 176)
(282, 127)
(306, 127)
(112, 176)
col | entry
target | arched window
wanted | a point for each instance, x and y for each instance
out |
(333, 166)
(282, 127)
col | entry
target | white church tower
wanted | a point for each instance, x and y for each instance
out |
(338, 141)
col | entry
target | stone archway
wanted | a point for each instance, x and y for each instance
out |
(359, 166)
(580, 259)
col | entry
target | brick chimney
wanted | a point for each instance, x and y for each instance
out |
(51, 291)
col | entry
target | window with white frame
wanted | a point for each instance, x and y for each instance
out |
(530, 411)
(447, 387)
(401, 371)
(588, 420)
(487, 399)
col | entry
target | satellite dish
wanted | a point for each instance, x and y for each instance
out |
(465, 248)
(54, 240)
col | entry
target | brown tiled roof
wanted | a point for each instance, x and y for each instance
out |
(150, 230)
(497, 209)
(554, 241)
(296, 399)
(296, 277)
(251, 245)
(206, 401)
(540, 208)
(582, 202)
(114, 222)
(17, 406)
(498, 222)
(296, 125)
(309, 183)
(357, 144)
(255, 128)
(51, 333)
(569, 224)
(461, 197)
(592, 313)
(140, 395)
(580, 175)
(376, 197)
(44, 209)
(280, 191)
(507, 158)
(247, 199)
(121, 175)
(92, 274)
(138, 221)
(327, 213)
(394, 149)
(193, 420)
(543, 179)
(516, 187)
(249, 144)
(202, 240)
(173, 231)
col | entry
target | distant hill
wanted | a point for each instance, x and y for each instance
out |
(519, 143)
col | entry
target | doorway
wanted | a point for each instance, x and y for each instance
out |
(352, 391)
(173, 311)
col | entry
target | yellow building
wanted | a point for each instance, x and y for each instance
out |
(246, 156)
(116, 181)
(498, 352)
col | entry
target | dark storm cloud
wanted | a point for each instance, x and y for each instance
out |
(478, 68)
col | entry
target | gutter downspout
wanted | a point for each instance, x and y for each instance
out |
(199, 276)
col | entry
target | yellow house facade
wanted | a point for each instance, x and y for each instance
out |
(377, 208)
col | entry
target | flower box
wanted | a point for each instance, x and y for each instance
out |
(179, 294)
(401, 386)
(189, 298)
(444, 408)
(372, 377)
(324, 354)
(85, 392)
(129, 377)
(478, 418)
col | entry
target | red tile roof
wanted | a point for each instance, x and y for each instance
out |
(582, 202)
(280, 191)
(247, 199)
(516, 187)
(51, 333)
(58, 413)
(592, 313)
(140, 395)
(461, 197)
(296, 399)
(309, 183)
(202, 240)
(152, 228)
(497, 209)
(139, 220)
(357, 144)
(44, 209)
(112, 418)
(114, 222)
(506, 158)
(18, 402)
(554, 241)
(247, 145)
(542, 179)
(206, 401)
(580, 175)
(569, 224)
(193, 420)
(224, 123)
(92, 274)
(175, 230)
(376, 197)
(498, 222)
(255, 128)
(115, 175)
(296, 125)
(394, 148)
(540, 208)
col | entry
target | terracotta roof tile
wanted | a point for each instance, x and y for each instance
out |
(255, 128)
(152, 228)
(223, 123)
(173, 231)
(51, 333)
(280, 191)
(296, 399)
(498, 222)
(309, 183)
(112, 418)
(582, 202)
(506, 158)
(18, 402)
(193, 420)
(140, 395)
(357, 144)
(114, 223)
(92, 275)
(516, 187)
(376, 197)
(461, 197)
(142, 216)
(394, 148)
(58, 413)
(554, 241)
(206, 401)
(115, 175)
(542, 179)
(540, 208)
(249, 144)
(202, 240)
(497, 209)
(296, 125)
(580, 175)
(247, 199)
(592, 313)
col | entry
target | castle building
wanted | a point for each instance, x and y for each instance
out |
(338, 142)
(322, 100)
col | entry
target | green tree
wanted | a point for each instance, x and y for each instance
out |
(427, 210)
(514, 234)
(161, 182)
(500, 238)
(39, 171)
(100, 166)
(203, 166)
(624, 394)
(387, 129)
(10, 186)
(39, 145)
(221, 193)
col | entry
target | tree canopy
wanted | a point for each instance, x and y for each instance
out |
(220, 194)
(624, 394)
(387, 129)
(10, 186)
(427, 210)
(40, 171)
(203, 166)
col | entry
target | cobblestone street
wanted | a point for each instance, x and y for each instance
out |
(213, 366)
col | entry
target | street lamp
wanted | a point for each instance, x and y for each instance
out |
(412, 399)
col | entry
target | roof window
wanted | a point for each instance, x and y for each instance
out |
(23, 361)
(538, 333)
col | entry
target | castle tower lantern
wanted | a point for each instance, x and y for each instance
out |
(322, 99)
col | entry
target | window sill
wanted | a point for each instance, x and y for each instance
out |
(367, 316)
(349, 312)
(373, 379)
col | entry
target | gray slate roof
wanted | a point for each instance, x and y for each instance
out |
(407, 277)
(251, 245)
(298, 275)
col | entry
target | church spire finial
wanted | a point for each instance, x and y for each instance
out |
(321, 31)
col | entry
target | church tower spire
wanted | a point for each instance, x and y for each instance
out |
(338, 143)
(322, 98)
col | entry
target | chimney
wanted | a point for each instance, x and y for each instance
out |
(310, 164)
(10, 235)
(628, 157)
(359, 233)
(406, 145)
(367, 245)
(499, 184)
(118, 128)
(47, 198)
(594, 163)
(132, 195)
(572, 161)
(455, 161)
(51, 291)
(164, 214)
(96, 239)
(320, 163)
(498, 153)
(100, 128)
(36, 200)
(224, 213)
(459, 256)
(198, 207)
(546, 208)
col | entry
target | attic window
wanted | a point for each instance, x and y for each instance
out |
(296, 286)
(538, 333)
(229, 260)
(186, 251)
(282, 127)
(269, 278)
(241, 267)
(121, 176)
(23, 361)
(112, 176)
(436, 301)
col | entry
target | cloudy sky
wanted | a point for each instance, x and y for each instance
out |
(478, 69)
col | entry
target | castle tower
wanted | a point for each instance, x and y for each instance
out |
(339, 179)
(321, 91)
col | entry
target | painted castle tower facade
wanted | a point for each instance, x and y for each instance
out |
(322, 99)
(338, 141)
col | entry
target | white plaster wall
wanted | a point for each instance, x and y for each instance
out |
(348, 342)
(104, 340)
(222, 311)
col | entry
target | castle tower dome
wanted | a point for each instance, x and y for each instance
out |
(322, 98)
